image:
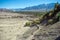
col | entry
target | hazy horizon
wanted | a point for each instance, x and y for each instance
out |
(12, 4)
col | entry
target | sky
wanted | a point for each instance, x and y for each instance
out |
(9, 4)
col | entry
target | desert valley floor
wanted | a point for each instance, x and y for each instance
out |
(12, 28)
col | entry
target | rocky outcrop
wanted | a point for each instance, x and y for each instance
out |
(48, 33)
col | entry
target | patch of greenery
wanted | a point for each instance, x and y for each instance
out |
(36, 22)
(28, 24)
(59, 14)
(32, 22)
(50, 21)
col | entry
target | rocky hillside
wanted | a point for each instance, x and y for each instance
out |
(48, 33)
(51, 32)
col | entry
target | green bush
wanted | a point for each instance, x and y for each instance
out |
(36, 22)
(50, 21)
(28, 24)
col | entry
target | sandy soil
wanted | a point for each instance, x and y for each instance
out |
(11, 27)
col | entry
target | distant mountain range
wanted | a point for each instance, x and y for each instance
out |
(6, 10)
(41, 7)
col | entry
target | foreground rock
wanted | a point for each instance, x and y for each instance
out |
(48, 33)
(51, 32)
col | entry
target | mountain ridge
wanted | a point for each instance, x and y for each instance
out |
(41, 7)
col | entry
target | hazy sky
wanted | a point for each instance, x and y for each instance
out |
(23, 3)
